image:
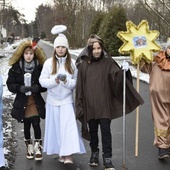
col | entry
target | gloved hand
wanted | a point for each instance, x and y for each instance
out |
(25, 89)
(34, 88)
(61, 77)
(125, 65)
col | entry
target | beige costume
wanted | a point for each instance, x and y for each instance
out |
(159, 86)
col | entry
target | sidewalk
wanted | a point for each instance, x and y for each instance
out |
(48, 162)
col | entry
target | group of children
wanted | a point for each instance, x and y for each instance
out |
(97, 102)
(31, 74)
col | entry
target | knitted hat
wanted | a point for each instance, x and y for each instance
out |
(61, 40)
(167, 45)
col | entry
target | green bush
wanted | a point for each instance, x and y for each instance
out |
(95, 26)
(107, 25)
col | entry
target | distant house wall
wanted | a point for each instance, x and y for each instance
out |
(3, 31)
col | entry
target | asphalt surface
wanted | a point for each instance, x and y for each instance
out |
(147, 153)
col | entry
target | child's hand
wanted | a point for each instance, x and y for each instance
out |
(61, 77)
(25, 89)
(34, 88)
(125, 65)
(57, 80)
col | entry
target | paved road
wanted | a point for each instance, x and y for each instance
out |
(147, 155)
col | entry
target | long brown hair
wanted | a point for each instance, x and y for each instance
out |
(68, 65)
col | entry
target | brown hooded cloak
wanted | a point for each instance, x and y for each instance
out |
(99, 91)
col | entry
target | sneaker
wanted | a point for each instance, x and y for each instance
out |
(94, 159)
(68, 160)
(107, 162)
(61, 159)
(163, 153)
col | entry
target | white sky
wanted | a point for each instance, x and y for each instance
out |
(28, 7)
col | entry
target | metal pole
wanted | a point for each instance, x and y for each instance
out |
(137, 115)
(124, 121)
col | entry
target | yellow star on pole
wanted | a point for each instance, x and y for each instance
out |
(139, 41)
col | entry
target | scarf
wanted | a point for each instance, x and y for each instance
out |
(28, 67)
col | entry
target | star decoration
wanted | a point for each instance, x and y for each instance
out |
(139, 41)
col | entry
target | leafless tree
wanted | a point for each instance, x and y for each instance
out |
(159, 10)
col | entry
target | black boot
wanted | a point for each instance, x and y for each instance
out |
(163, 153)
(94, 159)
(107, 162)
(169, 150)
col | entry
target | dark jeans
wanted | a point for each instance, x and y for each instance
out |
(35, 122)
(105, 133)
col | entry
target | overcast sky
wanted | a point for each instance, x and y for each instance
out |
(28, 7)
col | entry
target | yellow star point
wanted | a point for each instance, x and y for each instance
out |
(139, 41)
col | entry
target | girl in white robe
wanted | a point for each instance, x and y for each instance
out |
(59, 75)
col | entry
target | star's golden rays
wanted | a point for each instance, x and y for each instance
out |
(139, 41)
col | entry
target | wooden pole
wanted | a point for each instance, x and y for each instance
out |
(137, 115)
